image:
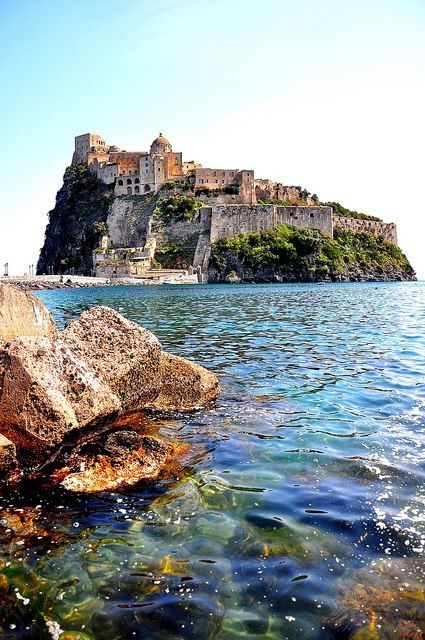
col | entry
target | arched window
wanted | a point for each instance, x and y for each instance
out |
(147, 188)
(137, 180)
(136, 189)
(128, 180)
(129, 191)
(120, 183)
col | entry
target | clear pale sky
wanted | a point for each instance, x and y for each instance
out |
(326, 94)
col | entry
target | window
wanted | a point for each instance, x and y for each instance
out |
(128, 180)
(120, 183)
(137, 189)
(129, 191)
(147, 188)
(137, 180)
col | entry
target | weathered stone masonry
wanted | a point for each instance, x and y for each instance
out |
(231, 220)
(378, 228)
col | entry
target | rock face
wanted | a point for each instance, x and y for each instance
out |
(23, 315)
(185, 386)
(66, 389)
(122, 459)
(125, 354)
(48, 391)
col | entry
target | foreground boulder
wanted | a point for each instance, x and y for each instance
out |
(62, 390)
(48, 391)
(22, 314)
(185, 386)
(123, 353)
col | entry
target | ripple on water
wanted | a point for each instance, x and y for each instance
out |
(306, 477)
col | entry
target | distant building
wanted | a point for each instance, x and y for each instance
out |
(141, 172)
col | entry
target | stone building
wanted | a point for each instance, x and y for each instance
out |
(141, 172)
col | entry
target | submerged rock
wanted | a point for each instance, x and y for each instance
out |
(22, 314)
(385, 601)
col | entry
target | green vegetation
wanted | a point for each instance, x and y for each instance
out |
(174, 256)
(292, 254)
(231, 189)
(339, 210)
(176, 208)
(76, 223)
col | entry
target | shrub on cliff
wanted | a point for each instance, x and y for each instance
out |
(176, 208)
(339, 210)
(76, 223)
(290, 254)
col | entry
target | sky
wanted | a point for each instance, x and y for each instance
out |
(326, 94)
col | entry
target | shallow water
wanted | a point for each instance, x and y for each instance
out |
(308, 471)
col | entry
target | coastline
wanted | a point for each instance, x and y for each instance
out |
(38, 283)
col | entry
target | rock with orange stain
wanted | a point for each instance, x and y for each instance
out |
(123, 459)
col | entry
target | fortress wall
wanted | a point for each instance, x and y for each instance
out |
(311, 217)
(226, 198)
(386, 229)
(232, 220)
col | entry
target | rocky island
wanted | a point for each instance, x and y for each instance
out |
(150, 215)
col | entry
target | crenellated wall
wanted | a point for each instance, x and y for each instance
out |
(378, 228)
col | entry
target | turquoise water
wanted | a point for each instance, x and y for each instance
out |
(306, 476)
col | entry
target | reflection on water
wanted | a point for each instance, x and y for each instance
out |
(306, 477)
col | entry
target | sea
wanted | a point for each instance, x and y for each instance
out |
(298, 511)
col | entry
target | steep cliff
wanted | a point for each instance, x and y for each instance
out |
(303, 255)
(76, 223)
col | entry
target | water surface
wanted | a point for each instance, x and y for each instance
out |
(306, 476)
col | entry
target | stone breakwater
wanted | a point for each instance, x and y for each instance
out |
(77, 400)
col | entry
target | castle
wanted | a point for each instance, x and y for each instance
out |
(141, 172)
(234, 203)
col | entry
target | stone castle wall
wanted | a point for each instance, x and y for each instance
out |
(386, 229)
(232, 220)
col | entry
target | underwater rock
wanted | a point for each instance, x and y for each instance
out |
(385, 601)
(126, 355)
(47, 392)
(185, 386)
(22, 314)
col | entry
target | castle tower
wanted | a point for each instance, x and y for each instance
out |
(88, 143)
